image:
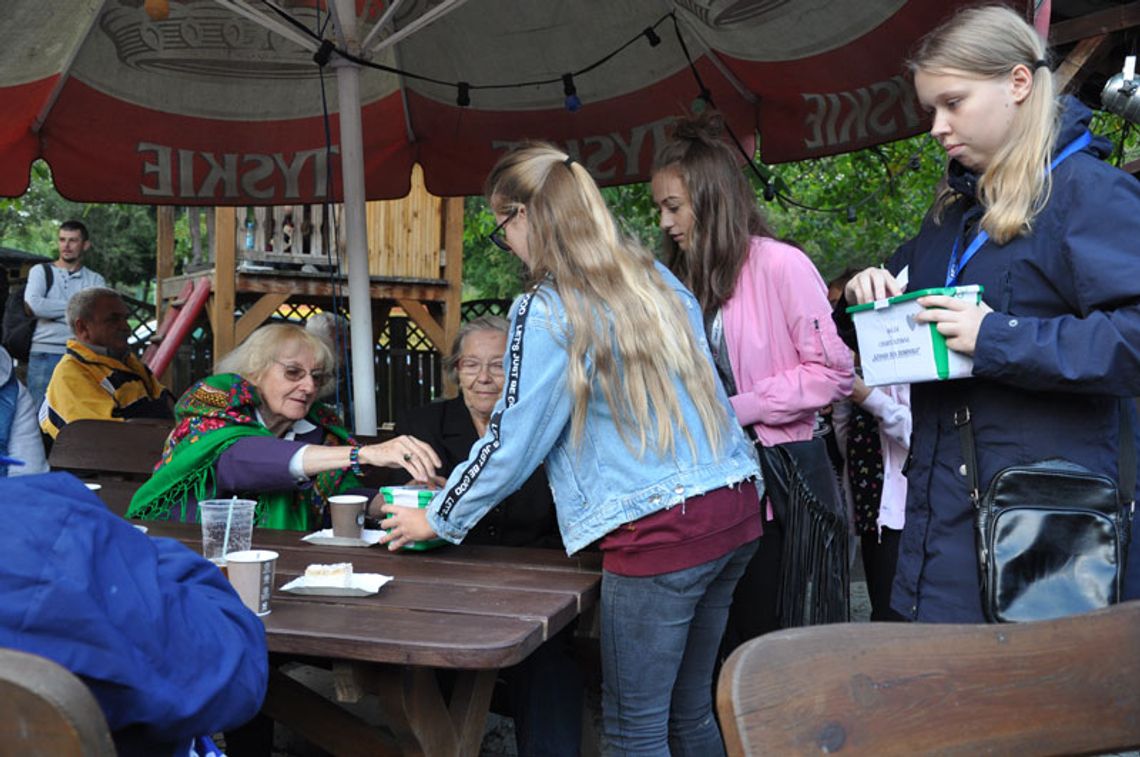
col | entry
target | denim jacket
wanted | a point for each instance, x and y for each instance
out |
(599, 483)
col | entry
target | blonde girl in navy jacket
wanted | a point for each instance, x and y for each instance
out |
(1056, 340)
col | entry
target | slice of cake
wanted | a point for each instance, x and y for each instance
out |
(336, 574)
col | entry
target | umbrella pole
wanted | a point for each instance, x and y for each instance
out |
(355, 229)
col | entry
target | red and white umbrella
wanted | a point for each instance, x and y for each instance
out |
(220, 102)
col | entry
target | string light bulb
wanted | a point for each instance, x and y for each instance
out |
(573, 102)
(463, 98)
(157, 10)
(651, 35)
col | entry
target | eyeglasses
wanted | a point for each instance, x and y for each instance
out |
(496, 234)
(295, 372)
(469, 366)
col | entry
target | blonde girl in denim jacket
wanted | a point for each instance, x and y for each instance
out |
(609, 380)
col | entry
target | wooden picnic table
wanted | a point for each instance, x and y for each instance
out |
(468, 609)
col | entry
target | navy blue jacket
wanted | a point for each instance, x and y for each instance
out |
(1050, 365)
(155, 631)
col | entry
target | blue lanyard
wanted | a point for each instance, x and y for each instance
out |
(956, 264)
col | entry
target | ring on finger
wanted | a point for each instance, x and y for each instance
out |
(408, 457)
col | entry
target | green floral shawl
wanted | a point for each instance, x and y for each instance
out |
(213, 414)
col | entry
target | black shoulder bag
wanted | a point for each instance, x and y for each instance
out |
(1052, 536)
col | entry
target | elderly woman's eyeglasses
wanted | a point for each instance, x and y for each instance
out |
(496, 235)
(469, 366)
(293, 372)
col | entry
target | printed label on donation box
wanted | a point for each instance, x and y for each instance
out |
(894, 348)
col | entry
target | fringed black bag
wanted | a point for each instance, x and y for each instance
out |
(801, 483)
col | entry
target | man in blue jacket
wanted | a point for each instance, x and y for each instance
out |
(154, 630)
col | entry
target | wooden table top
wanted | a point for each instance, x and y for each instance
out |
(453, 607)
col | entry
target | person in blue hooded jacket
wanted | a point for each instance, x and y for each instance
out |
(1030, 211)
(155, 631)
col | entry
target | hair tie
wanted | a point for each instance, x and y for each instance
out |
(1040, 64)
(569, 161)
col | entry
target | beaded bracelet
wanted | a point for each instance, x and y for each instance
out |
(354, 461)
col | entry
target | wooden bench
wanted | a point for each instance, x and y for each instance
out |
(47, 711)
(116, 455)
(1067, 686)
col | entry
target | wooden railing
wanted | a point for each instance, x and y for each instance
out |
(287, 233)
(405, 236)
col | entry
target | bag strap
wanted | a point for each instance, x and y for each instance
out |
(969, 455)
(1125, 455)
(48, 277)
(1126, 450)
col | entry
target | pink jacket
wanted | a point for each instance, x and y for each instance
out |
(787, 359)
(891, 407)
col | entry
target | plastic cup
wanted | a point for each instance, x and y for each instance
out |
(214, 513)
(347, 514)
(251, 573)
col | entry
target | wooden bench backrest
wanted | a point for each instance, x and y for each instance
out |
(128, 450)
(117, 456)
(46, 710)
(1067, 686)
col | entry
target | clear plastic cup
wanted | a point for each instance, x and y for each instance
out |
(214, 514)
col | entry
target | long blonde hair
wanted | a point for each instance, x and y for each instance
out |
(625, 322)
(987, 42)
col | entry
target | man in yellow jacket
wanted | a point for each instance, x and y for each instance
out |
(99, 377)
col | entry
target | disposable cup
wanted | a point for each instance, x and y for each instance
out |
(214, 514)
(251, 573)
(347, 514)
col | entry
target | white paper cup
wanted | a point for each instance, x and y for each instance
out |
(347, 514)
(213, 514)
(251, 573)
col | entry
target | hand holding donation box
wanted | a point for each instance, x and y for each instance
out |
(411, 496)
(896, 349)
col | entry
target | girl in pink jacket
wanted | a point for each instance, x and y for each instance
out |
(769, 326)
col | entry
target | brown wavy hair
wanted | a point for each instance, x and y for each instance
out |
(725, 212)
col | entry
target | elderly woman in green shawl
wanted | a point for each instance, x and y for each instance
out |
(255, 429)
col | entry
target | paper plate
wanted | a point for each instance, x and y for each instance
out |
(362, 585)
(326, 538)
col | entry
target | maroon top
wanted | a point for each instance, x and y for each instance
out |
(694, 532)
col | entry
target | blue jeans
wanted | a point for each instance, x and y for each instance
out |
(40, 367)
(660, 637)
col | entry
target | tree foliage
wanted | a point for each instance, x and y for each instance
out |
(860, 205)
